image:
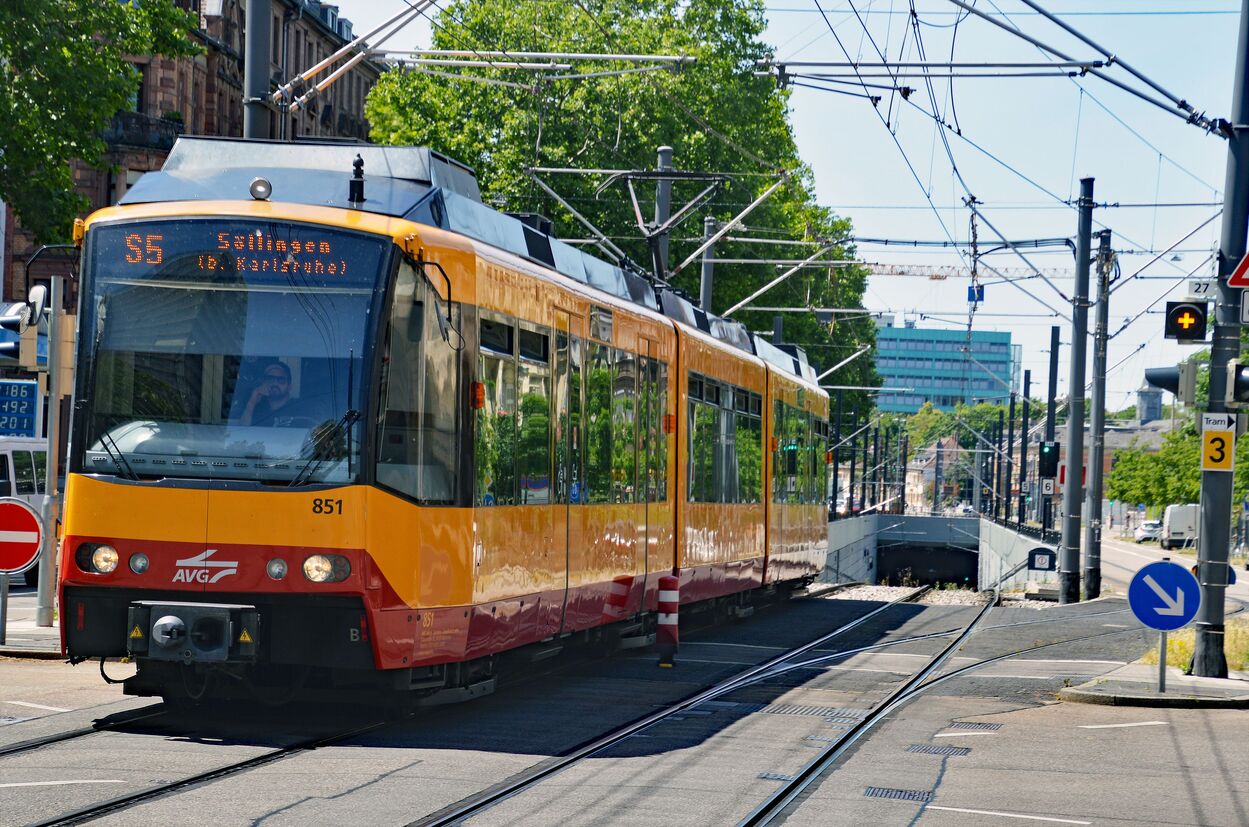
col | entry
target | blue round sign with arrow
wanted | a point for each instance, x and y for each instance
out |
(1164, 596)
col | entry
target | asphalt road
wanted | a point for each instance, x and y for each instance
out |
(1122, 558)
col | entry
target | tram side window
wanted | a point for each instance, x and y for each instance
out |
(624, 428)
(703, 427)
(495, 432)
(533, 429)
(24, 472)
(654, 395)
(748, 445)
(598, 423)
(418, 435)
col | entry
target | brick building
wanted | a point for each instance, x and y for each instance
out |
(203, 95)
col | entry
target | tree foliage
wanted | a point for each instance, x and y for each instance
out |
(1172, 474)
(929, 424)
(63, 75)
(715, 114)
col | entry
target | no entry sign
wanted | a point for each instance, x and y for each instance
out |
(21, 536)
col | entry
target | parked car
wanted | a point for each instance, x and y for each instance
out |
(1180, 526)
(1148, 530)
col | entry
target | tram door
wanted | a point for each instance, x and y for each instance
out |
(569, 455)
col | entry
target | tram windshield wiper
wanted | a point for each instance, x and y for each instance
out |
(322, 446)
(119, 458)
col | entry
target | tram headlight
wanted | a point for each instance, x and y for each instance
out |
(139, 562)
(104, 559)
(327, 568)
(277, 568)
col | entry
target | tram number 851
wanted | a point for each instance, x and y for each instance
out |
(326, 505)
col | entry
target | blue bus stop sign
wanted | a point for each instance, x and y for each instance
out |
(1164, 596)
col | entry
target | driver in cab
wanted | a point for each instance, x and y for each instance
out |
(270, 403)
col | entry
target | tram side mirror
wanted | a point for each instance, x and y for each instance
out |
(37, 301)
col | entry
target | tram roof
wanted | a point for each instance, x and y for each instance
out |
(425, 186)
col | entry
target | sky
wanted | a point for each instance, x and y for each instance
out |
(1025, 144)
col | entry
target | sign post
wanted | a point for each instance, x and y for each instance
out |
(21, 534)
(1164, 596)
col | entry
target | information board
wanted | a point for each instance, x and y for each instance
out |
(21, 408)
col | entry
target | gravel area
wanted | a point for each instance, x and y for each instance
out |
(882, 593)
(953, 597)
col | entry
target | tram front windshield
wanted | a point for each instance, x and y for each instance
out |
(227, 349)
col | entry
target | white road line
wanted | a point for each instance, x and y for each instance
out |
(60, 783)
(960, 734)
(39, 706)
(1005, 815)
(1121, 726)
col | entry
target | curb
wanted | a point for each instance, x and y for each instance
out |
(1177, 701)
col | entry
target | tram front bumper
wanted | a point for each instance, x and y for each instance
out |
(193, 632)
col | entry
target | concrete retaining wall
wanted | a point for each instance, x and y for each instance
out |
(852, 550)
(1001, 550)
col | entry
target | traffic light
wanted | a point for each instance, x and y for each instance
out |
(1186, 321)
(1181, 380)
(1048, 463)
(1236, 394)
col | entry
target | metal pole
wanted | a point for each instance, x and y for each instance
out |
(778, 332)
(4, 605)
(906, 447)
(1162, 662)
(978, 487)
(1023, 446)
(709, 259)
(1069, 555)
(936, 482)
(1010, 461)
(999, 492)
(663, 209)
(51, 504)
(875, 490)
(854, 422)
(867, 442)
(836, 450)
(1047, 506)
(1216, 486)
(1097, 427)
(258, 25)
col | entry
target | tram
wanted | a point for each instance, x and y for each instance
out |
(339, 426)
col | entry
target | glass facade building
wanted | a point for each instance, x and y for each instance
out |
(934, 366)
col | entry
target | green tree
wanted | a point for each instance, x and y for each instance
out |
(63, 74)
(715, 114)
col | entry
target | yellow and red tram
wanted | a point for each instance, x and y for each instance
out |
(377, 442)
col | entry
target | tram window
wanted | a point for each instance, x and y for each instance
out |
(6, 480)
(726, 451)
(624, 428)
(661, 455)
(496, 336)
(495, 432)
(570, 483)
(24, 472)
(533, 428)
(654, 396)
(600, 323)
(749, 451)
(598, 423)
(702, 452)
(417, 451)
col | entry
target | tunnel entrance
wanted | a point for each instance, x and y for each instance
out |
(926, 565)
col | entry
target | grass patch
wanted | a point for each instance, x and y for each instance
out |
(1180, 647)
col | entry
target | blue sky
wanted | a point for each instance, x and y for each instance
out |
(1053, 130)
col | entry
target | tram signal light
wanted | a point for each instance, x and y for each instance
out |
(1049, 459)
(1236, 394)
(1180, 380)
(1186, 321)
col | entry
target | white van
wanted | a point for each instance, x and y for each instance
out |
(1180, 526)
(23, 467)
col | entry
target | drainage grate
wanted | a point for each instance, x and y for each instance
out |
(975, 725)
(841, 712)
(898, 795)
(836, 719)
(931, 749)
(775, 776)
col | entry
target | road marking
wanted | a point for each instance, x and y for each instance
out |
(960, 734)
(1005, 815)
(40, 706)
(60, 783)
(1121, 726)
